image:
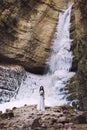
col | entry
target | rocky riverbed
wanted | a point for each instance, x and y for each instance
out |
(53, 118)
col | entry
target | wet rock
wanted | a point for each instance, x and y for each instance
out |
(53, 120)
(82, 118)
(0, 113)
(11, 77)
(66, 125)
(2, 125)
(7, 115)
(58, 126)
(35, 124)
(63, 119)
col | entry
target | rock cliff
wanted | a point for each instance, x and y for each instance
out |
(27, 28)
(78, 84)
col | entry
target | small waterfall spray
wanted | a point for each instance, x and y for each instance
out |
(59, 63)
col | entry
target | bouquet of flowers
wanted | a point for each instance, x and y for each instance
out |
(41, 92)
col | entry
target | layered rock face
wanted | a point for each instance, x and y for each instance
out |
(10, 81)
(27, 28)
(78, 84)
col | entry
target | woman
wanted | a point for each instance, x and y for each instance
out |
(41, 105)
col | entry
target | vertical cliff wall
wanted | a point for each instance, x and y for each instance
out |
(78, 84)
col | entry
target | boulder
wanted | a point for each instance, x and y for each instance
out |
(8, 114)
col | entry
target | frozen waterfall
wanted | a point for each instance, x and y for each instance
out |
(58, 75)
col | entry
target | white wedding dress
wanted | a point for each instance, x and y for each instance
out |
(41, 104)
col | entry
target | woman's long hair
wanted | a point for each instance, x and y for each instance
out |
(41, 88)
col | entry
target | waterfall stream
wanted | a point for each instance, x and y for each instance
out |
(59, 63)
(59, 73)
